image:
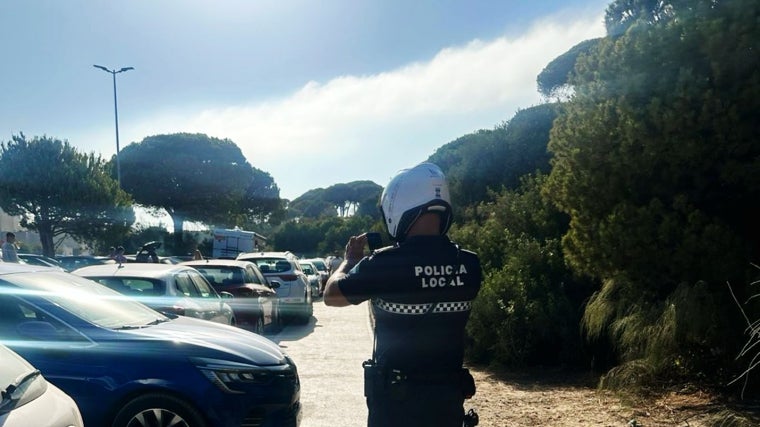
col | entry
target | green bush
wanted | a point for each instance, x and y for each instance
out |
(528, 309)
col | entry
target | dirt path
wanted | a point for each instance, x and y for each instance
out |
(554, 400)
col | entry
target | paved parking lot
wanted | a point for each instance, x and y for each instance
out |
(329, 351)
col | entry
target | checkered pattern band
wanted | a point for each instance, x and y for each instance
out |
(441, 307)
(452, 307)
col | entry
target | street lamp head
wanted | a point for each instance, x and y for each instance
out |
(102, 68)
(125, 69)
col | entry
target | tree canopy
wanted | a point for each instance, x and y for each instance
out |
(343, 199)
(58, 191)
(656, 161)
(621, 15)
(554, 78)
(262, 201)
(491, 159)
(197, 178)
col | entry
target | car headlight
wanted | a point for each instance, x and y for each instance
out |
(230, 376)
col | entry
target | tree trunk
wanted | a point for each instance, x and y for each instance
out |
(46, 239)
(178, 231)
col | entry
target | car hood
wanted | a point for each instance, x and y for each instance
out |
(201, 338)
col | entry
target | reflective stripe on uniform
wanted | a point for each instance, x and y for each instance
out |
(441, 307)
(452, 307)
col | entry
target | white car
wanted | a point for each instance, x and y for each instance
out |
(294, 293)
(324, 272)
(315, 279)
(168, 288)
(29, 400)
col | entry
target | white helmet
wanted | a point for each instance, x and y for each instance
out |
(411, 193)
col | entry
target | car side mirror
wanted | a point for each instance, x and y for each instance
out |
(274, 284)
(226, 295)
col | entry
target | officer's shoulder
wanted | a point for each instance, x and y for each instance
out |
(380, 252)
(464, 251)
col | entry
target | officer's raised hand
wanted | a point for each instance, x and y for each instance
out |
(354, 253)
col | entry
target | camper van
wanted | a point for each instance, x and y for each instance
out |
(228, 243)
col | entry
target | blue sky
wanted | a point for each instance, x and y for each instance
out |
(313, 92)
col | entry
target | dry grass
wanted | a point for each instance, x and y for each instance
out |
(554, 398)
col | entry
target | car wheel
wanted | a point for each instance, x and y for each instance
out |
(309, 310)
(276, 325)
(158, 410)
(258, 328)
(306, 311)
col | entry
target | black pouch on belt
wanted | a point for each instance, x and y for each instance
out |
(468, 383)
(373, 379)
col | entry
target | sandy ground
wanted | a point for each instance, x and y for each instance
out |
(557, 400)
(330, 348)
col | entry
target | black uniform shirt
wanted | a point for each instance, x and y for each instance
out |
(421, 293)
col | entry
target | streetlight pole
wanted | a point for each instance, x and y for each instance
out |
(115, 114)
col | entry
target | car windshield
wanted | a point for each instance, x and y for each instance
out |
(320, 265)
(84, 298)
(133, 285)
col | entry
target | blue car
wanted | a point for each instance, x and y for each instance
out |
(126, 365)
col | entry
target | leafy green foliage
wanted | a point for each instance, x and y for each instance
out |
(321, 236)
(262, 201)
(656, 161)
(197, 178)
(346, 199)
(59, 191)
(311, 204)
(622, 14)
(529, 307)
(490, 159)
(555, 76)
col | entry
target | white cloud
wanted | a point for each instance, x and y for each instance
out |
(394, 118)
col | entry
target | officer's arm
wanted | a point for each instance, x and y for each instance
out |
(333, 295)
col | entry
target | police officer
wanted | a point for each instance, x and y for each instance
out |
(421, 291)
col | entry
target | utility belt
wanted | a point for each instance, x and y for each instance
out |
(395, 383)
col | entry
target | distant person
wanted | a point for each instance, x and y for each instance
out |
(112, 253)
(119, 255)
(197, 255)
(420, 292)
(334, 263)
(147, 253)
(10, 251)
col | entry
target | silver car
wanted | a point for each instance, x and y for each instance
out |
(256, 305)
(294, 293)
(168, 288)
(311, 272)
(29, 400)
(324, 272)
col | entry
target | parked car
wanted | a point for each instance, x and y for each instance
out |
(168, 288)
(294, 292)
(29, 400)
(72, 262)
(311, 272)
(324, 272)
(42, 260)
(256, 305)
(125, 364)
